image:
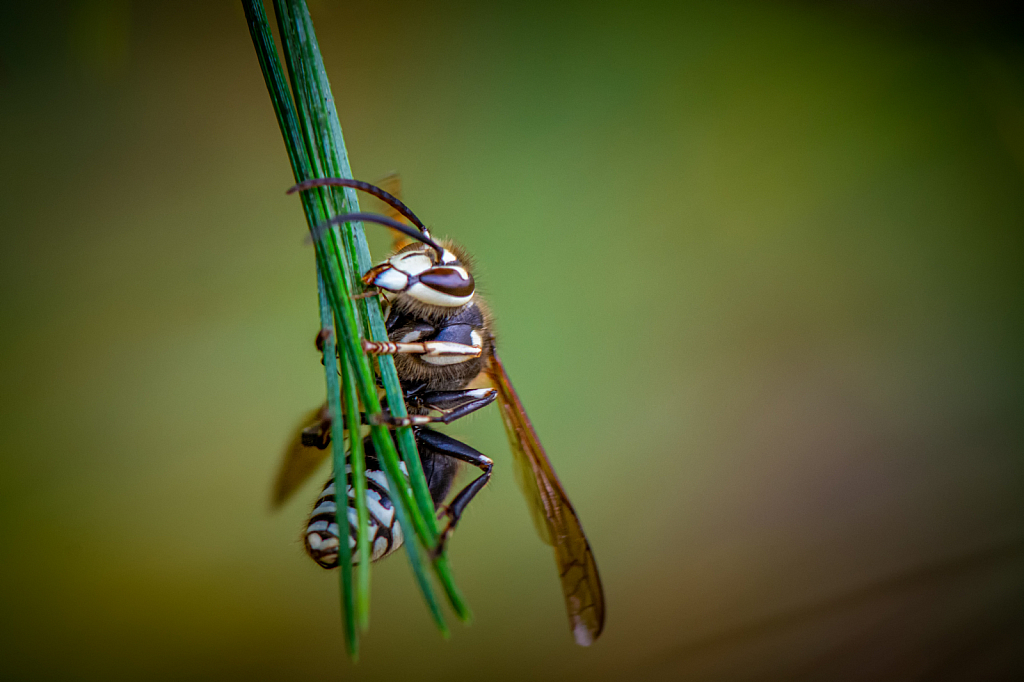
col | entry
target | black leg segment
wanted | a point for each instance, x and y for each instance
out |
(451, 404)
(445, 445)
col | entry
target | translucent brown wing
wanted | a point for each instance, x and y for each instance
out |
(392, 184)
(553, 515)
(300, 461)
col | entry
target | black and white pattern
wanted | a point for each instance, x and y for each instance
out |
(322, 538)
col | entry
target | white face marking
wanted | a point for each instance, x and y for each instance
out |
(448, 257)
(476, 339)
(425, 294)
(411, 262)
(392, 280)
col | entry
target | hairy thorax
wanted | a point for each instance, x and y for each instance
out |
(411, 321)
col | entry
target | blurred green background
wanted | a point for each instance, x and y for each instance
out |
(757, 269)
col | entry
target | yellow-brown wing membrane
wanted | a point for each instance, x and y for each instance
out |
(392, 184)
(553, 515)
(300, 460)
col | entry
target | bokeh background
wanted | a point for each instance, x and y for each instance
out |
(758, 274)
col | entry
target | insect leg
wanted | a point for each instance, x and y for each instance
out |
(451, 404)
(450, 447)
(318, 435)
(433, 349)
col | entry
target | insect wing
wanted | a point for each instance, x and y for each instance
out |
(553, 515)
(392, 184)
(300, 461)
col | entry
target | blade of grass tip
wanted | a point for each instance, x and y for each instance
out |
(413, 549)
(357, 459)
(284, 110)
(348, 607)
(313, 90)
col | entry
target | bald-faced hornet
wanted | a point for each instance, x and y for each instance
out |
(441, 336)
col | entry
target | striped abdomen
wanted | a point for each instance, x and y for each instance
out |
(322, 538)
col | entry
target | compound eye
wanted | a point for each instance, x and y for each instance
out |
(451, 281)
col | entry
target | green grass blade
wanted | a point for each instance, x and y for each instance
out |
(357, 458)
(348, 607)
(313, 91)
(326, 148)
(337, 273)
(263, 42)
(400, 495)
(314, 107)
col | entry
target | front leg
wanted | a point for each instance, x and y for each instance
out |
(445, 352)
(451, 404)
(446, 445)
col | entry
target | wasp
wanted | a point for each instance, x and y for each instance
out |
(440, 332)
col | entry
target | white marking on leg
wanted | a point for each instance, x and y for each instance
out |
(446, 359)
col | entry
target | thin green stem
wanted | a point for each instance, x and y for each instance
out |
(320, 148)
(334, 404)
(357, 459)
(319, 118)
(315, 108)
